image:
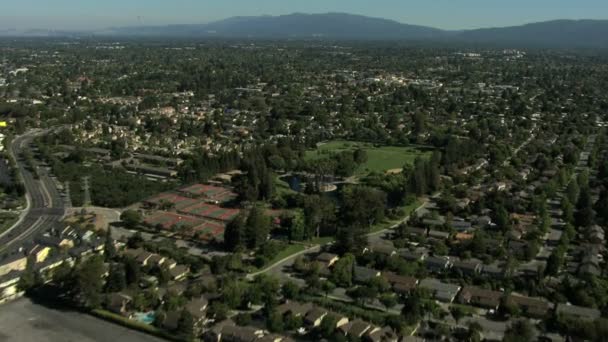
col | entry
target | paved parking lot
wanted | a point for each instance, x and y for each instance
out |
(25, 321)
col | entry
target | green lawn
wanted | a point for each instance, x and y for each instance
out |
(7, 220)
(281, 187)
(408, 209)
(379, 159)
(286, 252)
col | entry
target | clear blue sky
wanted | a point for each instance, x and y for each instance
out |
(447, 14)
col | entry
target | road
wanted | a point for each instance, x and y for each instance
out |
(45, 207)
(23, 320)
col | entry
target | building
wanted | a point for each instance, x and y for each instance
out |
(476, 296)
(437, 264)
(364, 274)
(400, 284)
(357, 328)
(315, 316)
(327, 259)
(470, 267)
(578, 312)
(12, 262)
(533, 307)
(441, 291)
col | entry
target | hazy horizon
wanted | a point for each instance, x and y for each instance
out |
(443, 14)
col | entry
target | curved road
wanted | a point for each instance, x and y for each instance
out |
(45, 205)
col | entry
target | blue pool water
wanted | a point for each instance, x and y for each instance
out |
(145, 317)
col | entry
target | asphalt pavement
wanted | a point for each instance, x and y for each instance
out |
(23, 320)
(45, 205)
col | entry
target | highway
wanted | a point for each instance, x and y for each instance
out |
(45, 206)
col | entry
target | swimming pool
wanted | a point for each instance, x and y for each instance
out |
(145, 317)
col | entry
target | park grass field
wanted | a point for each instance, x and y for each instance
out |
(379, 158)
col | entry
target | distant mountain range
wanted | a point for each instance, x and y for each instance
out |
(340, 26)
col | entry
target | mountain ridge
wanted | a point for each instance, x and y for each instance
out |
(560, 33)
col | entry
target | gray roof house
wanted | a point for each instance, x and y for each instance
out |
(442, 291)
(365, 274)
(578, 312)
(437, 264)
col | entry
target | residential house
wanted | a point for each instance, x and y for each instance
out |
(9, 285)
(438, 235)
(553, 237)
(387, 249)
(231, 333)
(171, 321)
(12, 262)
(385, 334)
(357, 328)
(155, 260)
(441, 291)
(413, 256)
(179, 272)
(437, 264)
(400, 284)
(596, 235)
(39, 253)
(493, 271)
(534, 307)
(476, 296)
(118, 303)
(55, 241)
(327, 259)
(578, 312)
(417, 232)
(315, 316)
(364, 274)
(461, 225)
(469, 267)
(294, 308)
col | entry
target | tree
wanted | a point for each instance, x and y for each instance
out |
(135, 241)
(234, 235)
(109, 249)
(520, 330)
(360, 156)
(131, 218)
(117, 280)
(233, 293)
(296, 226)
(30, 278)
(342, 273)
(257, 227)
(419, 181)
(290, 290)
(457, 312)
(132, 271)
(388, 300)
(567, 210)
(585, 216)
(319, 212)
(474, 332)
(327, 286)
(185, 325)
(601, 206)
(89, 281)
(502, 219)
(572, 191)
(362, 205)
(275, 322)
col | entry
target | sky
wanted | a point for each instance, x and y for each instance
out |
(445, 14)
